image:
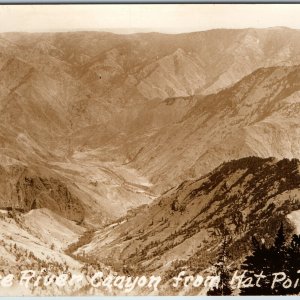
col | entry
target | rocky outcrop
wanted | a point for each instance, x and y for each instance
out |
(23, 190)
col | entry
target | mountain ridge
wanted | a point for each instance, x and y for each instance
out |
(185, 226)
(122, 98)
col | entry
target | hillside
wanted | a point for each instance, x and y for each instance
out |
(136, 150)
(256, 116)
(94, 108)
(185, 227)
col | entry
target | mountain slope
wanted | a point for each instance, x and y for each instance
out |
(134, 100)
(256, 116)
(186, 225)
(95, 126)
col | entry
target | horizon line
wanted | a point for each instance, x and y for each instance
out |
(118, 31)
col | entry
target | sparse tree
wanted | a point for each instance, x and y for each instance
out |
(222, 270)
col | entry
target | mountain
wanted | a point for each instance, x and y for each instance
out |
(94, 108)
(184, 228)
(133, 149)
(159, 65)
(34, 240)
(256, 116)
(23, 190)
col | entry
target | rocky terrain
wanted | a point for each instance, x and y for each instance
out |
(184, 228)
(256, 116)
(149, 140)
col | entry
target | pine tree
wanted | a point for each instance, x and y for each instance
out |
(279, 259)
(255, 263)
(279, 242)
(222, 270)
(293, 264)
(269, 261)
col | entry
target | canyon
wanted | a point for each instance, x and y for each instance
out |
(150, 141)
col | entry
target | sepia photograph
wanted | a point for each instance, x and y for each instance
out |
(150, 150)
